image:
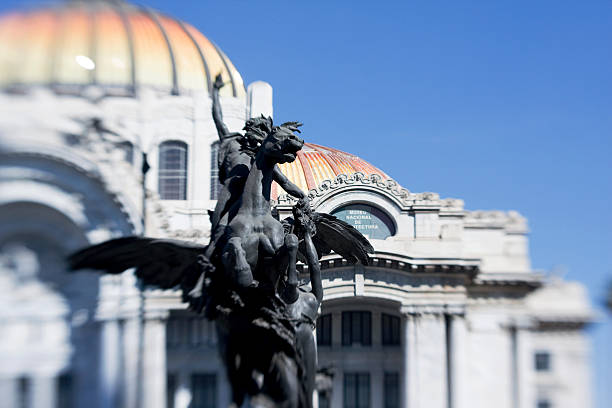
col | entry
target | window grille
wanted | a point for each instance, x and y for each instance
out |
(392, 390)
(173, 171)
(356, 390)
(24, 393)
(171, 386)
(324, 330)
(324, 401)
(215, 185)
(128, 151)
(542, 361)
(203, 391)
(65, 391)
(390, 330)
(544, 403)
(356, 328)
(187, 332)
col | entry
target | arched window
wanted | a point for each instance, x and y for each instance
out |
(369, 220)
(172, 171)
(128, 151)
(215, 185)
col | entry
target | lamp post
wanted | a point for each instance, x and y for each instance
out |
(144, 170)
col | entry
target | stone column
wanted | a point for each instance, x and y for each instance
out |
(154, 361)
(458, 362)
(110, 364)
(409, 390)
(431, 348)
(131, 354)
(43, 391)
(377, 390)
(337, 399)
(8, 391)
(526, 397)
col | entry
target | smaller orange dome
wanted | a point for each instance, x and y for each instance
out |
(315, 163)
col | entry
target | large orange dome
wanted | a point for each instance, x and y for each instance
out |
(315, 163)
(111, 44)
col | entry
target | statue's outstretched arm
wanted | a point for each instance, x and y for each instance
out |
(287, 185)
(222, 129)
(313, 267)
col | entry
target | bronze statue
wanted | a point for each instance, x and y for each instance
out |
(246, 278)
(235, 156)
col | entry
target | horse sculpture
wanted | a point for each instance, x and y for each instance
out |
(255, 244)
(246, 279)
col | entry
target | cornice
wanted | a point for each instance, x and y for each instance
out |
(527, 279)
(418, 310)
(511, 221)
(385, 260)
(390, 188)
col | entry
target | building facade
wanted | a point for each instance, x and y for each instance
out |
(449, 314)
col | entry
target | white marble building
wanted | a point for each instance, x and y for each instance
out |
(449, 315)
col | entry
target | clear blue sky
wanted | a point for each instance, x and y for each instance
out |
(507, 105)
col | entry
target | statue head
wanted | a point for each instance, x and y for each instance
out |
(256, 130)
(282, 144)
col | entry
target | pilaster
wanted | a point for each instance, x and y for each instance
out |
(110, 364)
(44, 391)
(154, 361)
(131, 352)
(431, 360)
(459, 370)
(410, 371)
(525, 372)
(8, 391)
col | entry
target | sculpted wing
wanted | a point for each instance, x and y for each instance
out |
(159, 262)
(336, 235)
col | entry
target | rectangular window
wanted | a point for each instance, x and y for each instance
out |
(392, 390)
(65, 391)
(177, 332)
(215, 185)
(171, 383)
(324, 330)
(184, 331)
(324, 401)
(24, 389)
(542, 361)
(390, 330)
(128, 151)
(203, 391)
(544, 403)
(172, 175)
(356, 390)
(356, 328)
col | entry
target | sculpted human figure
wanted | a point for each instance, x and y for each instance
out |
(234, 159)
(305, 310)
(235, 156)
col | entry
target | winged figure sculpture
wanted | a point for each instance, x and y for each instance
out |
(245, 278)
